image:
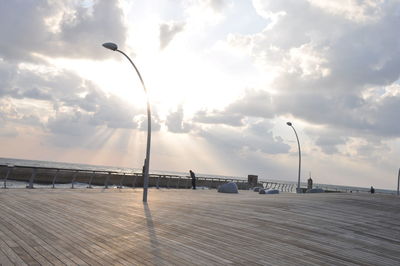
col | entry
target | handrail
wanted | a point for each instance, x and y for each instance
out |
(169, 180)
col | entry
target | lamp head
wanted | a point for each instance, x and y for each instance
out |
(110, 45)
(289, 124)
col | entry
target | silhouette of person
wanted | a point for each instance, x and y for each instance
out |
(372, 190)
(192, 175)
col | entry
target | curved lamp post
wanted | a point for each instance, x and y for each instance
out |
(298, 144)
(398, 183)
(114, 47)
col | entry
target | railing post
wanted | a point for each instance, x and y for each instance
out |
(73, 179)
(177, 184)
(158, 182)
(122, 181)
(91, 179)
(107, 179)
(134, 181)
(168, 182)
(55, 177)
(34, 171)
(9, 171)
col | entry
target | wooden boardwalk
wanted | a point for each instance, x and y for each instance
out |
(202, 227)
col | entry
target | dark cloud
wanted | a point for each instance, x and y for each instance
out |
(83, 34)
(73, 123)
(114, 113)
(59, 29)
(253, 103)
(257, 136)
(329, 140)
(168, 32)
(155, 122)
(175, 123)
(217, 5)
(218, 117)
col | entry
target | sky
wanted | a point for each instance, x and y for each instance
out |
(223, 78)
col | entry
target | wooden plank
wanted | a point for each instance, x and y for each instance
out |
(186, 227)
(4, 261)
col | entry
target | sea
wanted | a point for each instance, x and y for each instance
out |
(54, 164)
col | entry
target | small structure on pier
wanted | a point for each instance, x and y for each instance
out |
(252, 180)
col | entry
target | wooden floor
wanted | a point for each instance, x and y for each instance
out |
(202, 227)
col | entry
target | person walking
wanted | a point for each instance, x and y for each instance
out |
(193, 176)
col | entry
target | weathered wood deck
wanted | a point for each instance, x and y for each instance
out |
(202, 227)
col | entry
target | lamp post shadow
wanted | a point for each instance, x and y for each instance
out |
(154, 244)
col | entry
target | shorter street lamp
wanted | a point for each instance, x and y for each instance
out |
(298, 144)
(114, 47)
(398, 183)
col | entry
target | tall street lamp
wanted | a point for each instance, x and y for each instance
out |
(114, 47)
(298, 144)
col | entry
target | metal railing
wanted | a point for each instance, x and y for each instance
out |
(119, 179)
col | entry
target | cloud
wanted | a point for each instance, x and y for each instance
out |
(217, 5)
(218, 117)
(323, 66)
(62, 104)
(8, 132)
(155, 122)
(168, 31)
(73, 123)
(175, 123)
(328, 139)
(58, 29)
(353, 10)
(256, 136)
(254, 103)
